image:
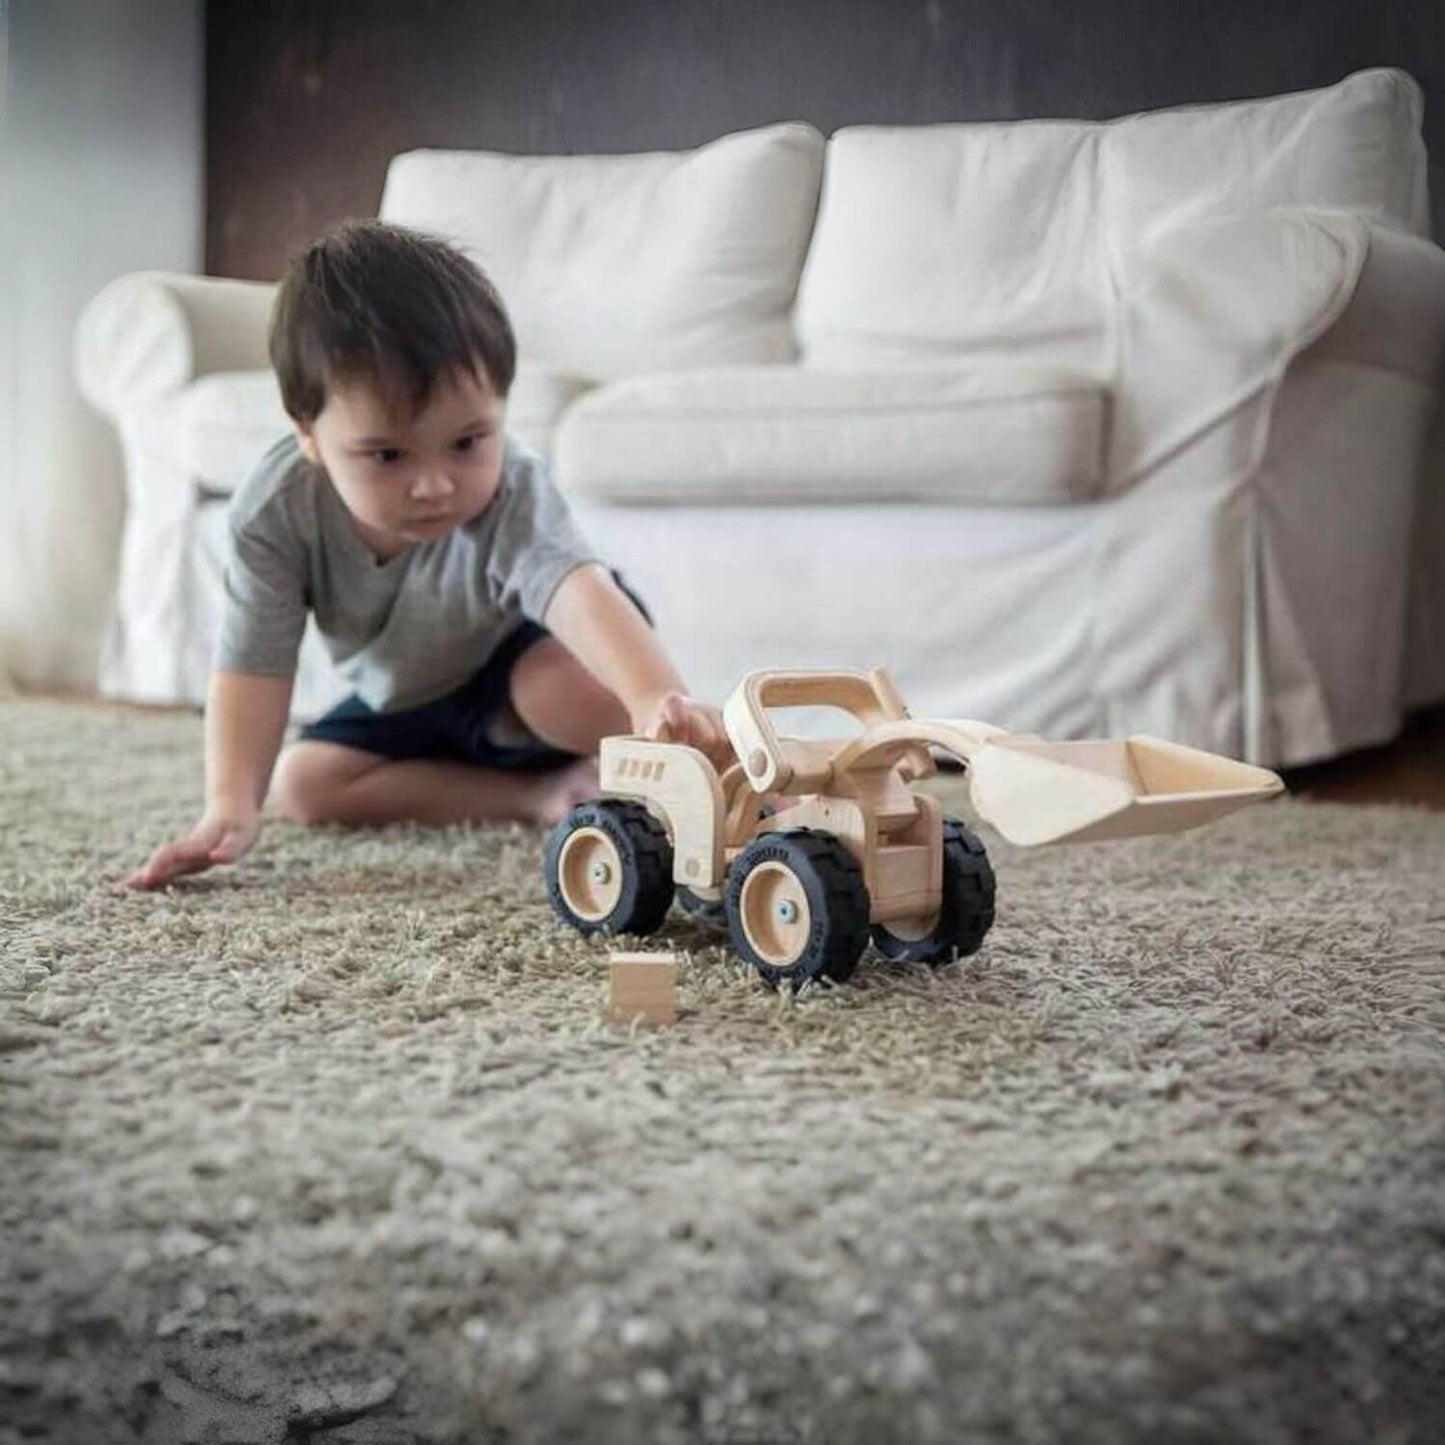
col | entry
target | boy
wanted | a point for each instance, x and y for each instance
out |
(488, 649)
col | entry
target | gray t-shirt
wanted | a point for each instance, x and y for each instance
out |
(401, 631)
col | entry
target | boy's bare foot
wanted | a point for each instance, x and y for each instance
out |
(559, 792)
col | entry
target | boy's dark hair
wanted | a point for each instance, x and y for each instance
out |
(389, 303)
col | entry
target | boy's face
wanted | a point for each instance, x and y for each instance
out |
(410, 478)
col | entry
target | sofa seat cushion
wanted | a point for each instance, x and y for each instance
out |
(222, 423)
(540, 397)
(801, 434)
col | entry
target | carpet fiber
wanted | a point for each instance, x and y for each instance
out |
(336, 1146)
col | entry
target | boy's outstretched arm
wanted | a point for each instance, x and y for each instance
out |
(246, 718)
(597, 623)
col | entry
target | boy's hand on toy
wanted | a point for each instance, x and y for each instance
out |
(676, 718)
(220, 837)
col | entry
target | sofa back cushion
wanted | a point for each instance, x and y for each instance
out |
(611, 265)
(1356, 145)
(1003, 237)
(956, 242)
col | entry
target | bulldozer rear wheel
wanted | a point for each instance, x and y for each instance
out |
(966, 914)
(709, 911)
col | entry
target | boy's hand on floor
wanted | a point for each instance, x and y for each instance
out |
(678, 719)
(217, 838)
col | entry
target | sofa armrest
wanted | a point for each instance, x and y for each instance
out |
(1395, 326)
(1395, 319)
(1269, 420)
(1216, 311)
(1212, 311)
(149, 333)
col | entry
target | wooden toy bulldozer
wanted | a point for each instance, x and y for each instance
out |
(810, 848)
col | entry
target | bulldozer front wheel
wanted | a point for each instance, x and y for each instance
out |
(608, 867)
(797, 907)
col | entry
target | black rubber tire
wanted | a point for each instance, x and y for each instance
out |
(837, 898)
(646, 853)
(968, 900)
(712, 913)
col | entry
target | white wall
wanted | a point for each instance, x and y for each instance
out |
(101, 172)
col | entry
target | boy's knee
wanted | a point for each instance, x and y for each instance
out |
(547, 679)
(306, 785)
(292, 794)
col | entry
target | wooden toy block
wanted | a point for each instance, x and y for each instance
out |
(642, 983)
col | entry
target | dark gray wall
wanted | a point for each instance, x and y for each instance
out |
(307, 99)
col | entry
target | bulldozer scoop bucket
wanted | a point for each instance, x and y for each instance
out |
(1040, 792)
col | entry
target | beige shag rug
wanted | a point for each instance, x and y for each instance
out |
(337, 1147)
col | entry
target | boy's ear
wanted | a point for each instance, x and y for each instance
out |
(307, 440)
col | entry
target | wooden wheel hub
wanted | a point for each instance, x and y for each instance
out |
(775, 914)
(589, 872)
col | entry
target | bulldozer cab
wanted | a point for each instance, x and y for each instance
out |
(776, 764)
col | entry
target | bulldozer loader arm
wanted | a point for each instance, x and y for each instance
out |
(1031, 790)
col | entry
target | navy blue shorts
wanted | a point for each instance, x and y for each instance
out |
(457, 727)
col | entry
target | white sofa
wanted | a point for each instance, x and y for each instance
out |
(1081, 428)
